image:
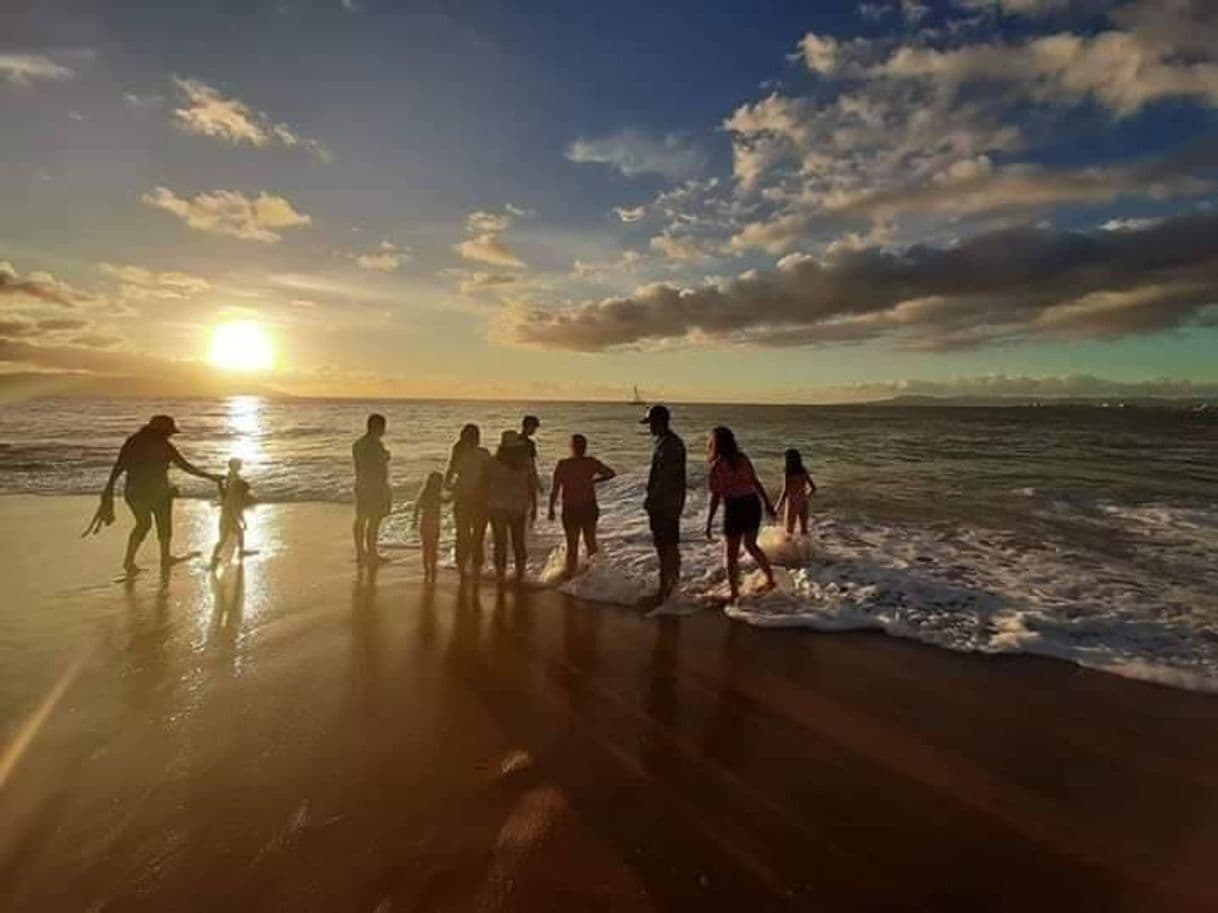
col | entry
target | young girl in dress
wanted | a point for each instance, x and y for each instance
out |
(427, 508)
(795, 492)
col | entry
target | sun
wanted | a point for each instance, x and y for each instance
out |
(240, 346)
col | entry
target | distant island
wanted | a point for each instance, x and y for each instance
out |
(1091, 402)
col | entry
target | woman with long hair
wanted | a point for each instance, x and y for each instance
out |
(797, 487)
(466, 477)
(512, 497)
(734, 482)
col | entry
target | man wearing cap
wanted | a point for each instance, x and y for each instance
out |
(145, 457)
(665, 497)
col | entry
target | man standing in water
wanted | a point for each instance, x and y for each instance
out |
(528, 427)
(373, 497)
(665, 498)
(145, 457)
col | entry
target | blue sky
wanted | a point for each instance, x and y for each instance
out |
(752, 201)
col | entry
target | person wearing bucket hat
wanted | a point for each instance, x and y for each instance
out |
(665, 497)
(145, 457)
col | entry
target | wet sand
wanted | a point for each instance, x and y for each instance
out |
(298, 737)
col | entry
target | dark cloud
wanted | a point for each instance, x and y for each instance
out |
(1014, 284)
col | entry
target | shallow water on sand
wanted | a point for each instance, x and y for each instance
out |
(1080, 533)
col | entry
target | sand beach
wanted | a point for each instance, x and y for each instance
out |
(296, 736)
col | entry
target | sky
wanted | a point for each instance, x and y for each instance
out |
(753, 201)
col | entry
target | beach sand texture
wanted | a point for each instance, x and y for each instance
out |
(298, 737)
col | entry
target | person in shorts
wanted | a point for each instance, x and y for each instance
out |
(145, 457)
(373, 497)
(734, 482)
(665, 499)
(575, 479)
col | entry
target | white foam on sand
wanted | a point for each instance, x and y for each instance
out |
(1146, 609)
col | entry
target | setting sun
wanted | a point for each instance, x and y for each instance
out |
(240, 346)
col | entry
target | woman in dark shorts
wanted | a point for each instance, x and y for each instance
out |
(734, 482)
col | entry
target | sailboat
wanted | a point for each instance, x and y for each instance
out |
(638, 399)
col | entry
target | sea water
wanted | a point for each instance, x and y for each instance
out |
(1081, 533)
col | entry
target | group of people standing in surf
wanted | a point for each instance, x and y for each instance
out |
(502, 491)
(499, 490)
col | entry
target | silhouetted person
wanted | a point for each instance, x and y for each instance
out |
(734, 482)
(235, 497)
(512, 496)
(466, 478)
(797, 488)
(145, 458)
(665, 497)
(426, 519)
(576, 478)
(528, 427)
(373, 498)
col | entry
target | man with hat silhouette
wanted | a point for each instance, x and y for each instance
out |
(665, 498)
(145, 458)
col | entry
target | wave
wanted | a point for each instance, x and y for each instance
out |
(1136, 601)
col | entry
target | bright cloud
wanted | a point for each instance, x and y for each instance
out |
(385, 257)
(230, 212)
(205, 111)
(633, 153)
(140, 283)
(23, 69)
(40, 287)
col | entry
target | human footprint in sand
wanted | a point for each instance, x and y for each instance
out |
(235, 498)
(734, 482)
(576, 478)
(797, 488)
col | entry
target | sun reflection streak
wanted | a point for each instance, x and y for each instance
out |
(245, 424)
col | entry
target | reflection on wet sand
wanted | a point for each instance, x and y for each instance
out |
(282, 736)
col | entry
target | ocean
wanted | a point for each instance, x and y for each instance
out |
(1081, 533)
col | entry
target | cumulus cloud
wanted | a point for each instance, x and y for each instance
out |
(230, 212)
(630, 214)
(487, 248)
(23, 69)
(40, 287)
(1009, 285)
(592, 271)
(633, 153)
(1122, 70)
(205, 111)
(477, 282)
(385, 257)
(485, 245)
(140, 283)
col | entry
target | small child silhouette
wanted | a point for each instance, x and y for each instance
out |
(427, 507)
(235, 497)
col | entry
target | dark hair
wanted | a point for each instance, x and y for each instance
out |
(511, 452)
(376, 420)
(530, 420)
(723, 446)
(795, 463)
(579, 444)
(470, 435)
(433, 484)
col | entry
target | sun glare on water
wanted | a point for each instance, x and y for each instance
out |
(240, 346)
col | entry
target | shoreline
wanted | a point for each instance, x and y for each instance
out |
(297, 736)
